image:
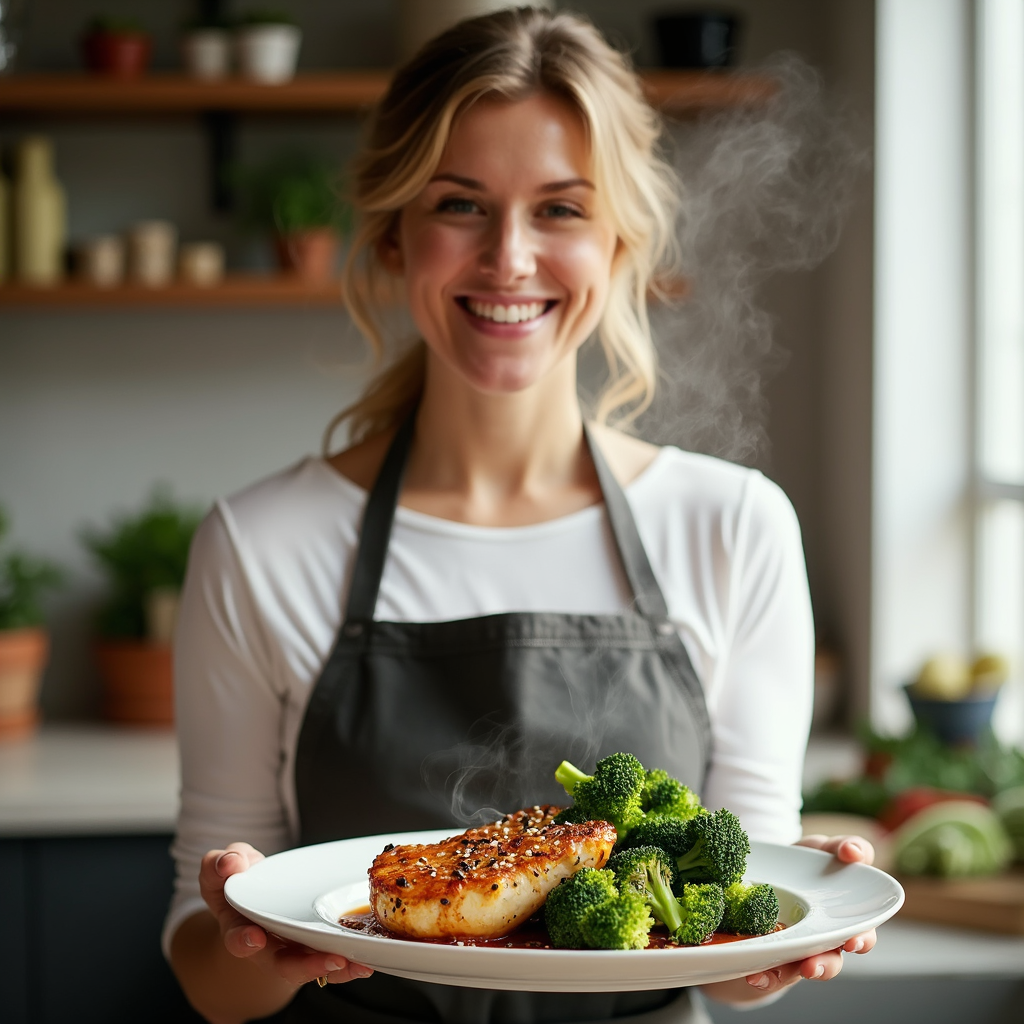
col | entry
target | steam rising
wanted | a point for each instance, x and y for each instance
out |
(766, 190)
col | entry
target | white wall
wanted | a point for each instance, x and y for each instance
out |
(923, 271)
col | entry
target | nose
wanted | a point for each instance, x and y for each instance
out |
(509, 253)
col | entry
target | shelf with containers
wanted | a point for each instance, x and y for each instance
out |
(678, 94)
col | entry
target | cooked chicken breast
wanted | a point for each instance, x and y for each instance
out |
(484, 881)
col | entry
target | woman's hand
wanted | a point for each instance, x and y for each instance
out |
(296, 964)
(821, 966)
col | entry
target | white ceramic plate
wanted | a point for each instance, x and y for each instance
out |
(299, 894)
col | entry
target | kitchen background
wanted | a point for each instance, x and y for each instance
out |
(874, 429)
(97, 405)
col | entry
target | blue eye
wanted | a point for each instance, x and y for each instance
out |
(561, 210)
(456, 205)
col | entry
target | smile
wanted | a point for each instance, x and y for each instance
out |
(506, 313)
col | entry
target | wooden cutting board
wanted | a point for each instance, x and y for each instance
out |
(991, 904)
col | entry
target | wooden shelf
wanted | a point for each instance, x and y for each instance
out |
(236, 290)
(675, 92)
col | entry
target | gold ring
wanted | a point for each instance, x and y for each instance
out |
(322, 980)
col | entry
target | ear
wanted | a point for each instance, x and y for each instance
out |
(389, 251)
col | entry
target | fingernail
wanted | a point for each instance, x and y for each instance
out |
(818, 972)
(761, 981)
(333, 965)
(858, 946)
(361, 972)
(855, 845)
(250, 940)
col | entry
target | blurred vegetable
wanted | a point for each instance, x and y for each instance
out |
(1009, 806)
(905, 805)
(23, 581)
(944, 677)
(142, 554)
(895, 765)
(953, 839)
(989, 672)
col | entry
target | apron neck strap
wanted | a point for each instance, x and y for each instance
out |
(379, 515)
(649, 599)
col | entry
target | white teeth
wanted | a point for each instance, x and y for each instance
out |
(506, 314)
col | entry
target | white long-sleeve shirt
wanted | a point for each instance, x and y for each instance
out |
(264, 597)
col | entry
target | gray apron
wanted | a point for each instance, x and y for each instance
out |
(446, 724)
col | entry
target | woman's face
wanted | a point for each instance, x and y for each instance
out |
(507, 253)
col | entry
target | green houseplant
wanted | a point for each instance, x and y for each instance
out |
(295, 197)
(144, 558)
(23, 642)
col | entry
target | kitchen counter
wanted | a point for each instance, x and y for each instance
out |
(89, 779)
(94, 779)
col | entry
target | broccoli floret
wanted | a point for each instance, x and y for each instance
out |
(668, 834)
(702, 906)
(571, 900)
(664, 796)
(717, 849)
(612, 793)
(570, 816)
(648, 871)
(621, 923)
(587, 910)
(750, 909)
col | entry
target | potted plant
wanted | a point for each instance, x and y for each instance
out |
(23, 643)
(296, 198)
(144, 557)
(118, 47)
(267, 46)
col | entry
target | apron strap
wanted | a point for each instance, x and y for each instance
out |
(650, 601)
(375, 532)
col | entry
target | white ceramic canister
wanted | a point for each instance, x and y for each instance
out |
(101, 261)
(420, 20)
(39, 214)
(267, 53)
(206, 53)
(201, 263)
(151, 249)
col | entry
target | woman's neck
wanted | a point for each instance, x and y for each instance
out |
(500, 460)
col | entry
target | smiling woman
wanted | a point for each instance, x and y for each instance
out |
(413, 632)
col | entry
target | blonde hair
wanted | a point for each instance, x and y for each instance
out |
(512, 55)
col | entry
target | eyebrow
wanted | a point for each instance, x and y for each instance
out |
(478, 186)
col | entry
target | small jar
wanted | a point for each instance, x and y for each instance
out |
(151, 248)
(267, 53)
(201, 263)
(101, 261)
(206, 53)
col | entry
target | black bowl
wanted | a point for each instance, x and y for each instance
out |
(697, 39)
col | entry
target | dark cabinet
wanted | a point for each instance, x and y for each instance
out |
(80, 921)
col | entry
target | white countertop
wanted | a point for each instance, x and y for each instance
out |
(86, 778)
(94, 779)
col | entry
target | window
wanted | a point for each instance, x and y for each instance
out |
(997, 501)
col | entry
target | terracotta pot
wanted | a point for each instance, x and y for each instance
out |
(138, 686)
(311, 254)
(22, 660)
(118, 54)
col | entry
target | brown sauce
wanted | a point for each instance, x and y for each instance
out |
(531, 935)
